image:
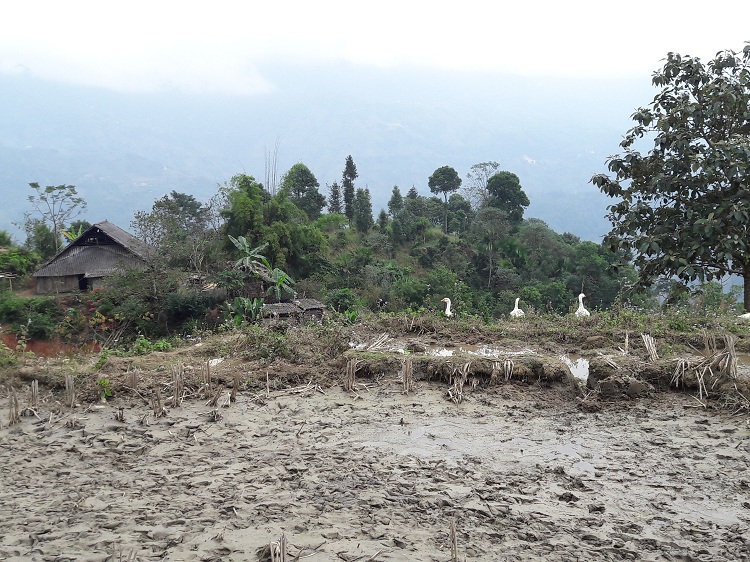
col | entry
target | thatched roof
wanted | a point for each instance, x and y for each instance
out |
(309, 304)
(280, 309)
(101, 250)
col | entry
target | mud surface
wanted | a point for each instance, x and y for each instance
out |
(379, 475)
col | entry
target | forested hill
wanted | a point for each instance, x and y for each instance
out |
(123, 151)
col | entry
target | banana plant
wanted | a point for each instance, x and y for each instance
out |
(282, 283)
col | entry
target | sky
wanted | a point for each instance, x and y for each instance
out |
(222, 46)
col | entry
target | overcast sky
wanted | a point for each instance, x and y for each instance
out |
(223, 45)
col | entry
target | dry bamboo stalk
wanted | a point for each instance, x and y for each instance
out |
(70, 393)
(650, 344)
(34, 403)
(407, 376)
(459, 377)
(351, 374)
(508, 368)
(378, 343)
(132, 380)
(495, 372)
(278, 549)
(454, 542)
(678, 376)
(208, 378)
(14, 415)
(157, 405)
(178, 384)
(235, 386)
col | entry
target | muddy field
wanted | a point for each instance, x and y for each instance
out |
(518, 470)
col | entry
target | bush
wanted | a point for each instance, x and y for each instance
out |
(18, 261)
(180, 307)
(342, 300)
(36, 317)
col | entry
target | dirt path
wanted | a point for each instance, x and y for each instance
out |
(380, 476)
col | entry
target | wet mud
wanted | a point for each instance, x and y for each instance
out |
(518, 470)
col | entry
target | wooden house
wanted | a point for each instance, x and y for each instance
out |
(85, 263)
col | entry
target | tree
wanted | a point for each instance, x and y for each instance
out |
(362, 211)
(334, 199)
(6, 240)
(302, 186)
(40, 238)
(489, 229)
(412, 193)
(396, 202)
(347, 184)
(382, 221)
(245, 200)
(444, 180)
(475, 189)
(180, 227)
(504, 192)
(57, 205)
(684, 206)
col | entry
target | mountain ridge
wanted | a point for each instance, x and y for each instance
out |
(123, 151)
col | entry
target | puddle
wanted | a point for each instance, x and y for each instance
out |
(579, 366)
(456, 438)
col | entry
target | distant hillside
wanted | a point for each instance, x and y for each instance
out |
(123, 151)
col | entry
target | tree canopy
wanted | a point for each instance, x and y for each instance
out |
(504, 192)
(444, 180)
(303, 190)
(347, 186)
(56, 204)
(683, 206)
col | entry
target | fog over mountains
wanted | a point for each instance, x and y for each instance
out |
(123, 151)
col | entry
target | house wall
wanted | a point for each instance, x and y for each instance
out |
(63, 284)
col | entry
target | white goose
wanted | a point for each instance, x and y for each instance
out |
(448, 311)
(581, 312)
(516, 312)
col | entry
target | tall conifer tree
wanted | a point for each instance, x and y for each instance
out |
(347, 183)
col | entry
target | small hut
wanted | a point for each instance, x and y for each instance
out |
(310, 309)
(297, 310)
(100, 251)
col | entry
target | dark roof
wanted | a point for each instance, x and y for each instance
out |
(309, 304)
(102, 249)
(125, 239)
(280, 309)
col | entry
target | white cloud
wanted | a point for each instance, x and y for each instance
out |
(201, 46)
